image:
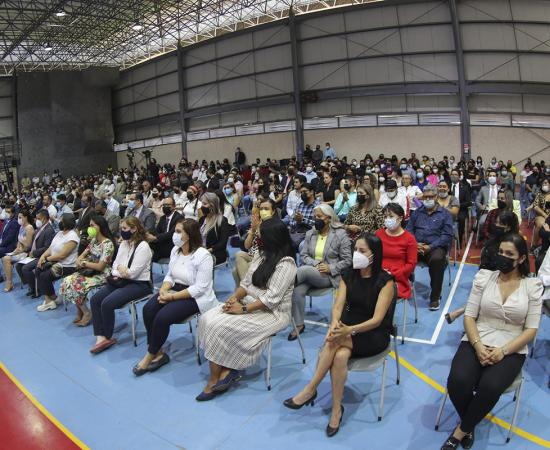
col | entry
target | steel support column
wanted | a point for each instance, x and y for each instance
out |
(462, 88)
(299, 132)
(182, 101)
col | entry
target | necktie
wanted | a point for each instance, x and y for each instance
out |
(454, 190)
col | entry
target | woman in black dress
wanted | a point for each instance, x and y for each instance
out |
(362, 318)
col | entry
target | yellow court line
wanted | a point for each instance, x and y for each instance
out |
(43, 410)
(502, 423)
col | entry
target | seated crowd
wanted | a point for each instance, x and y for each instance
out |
(357, 229)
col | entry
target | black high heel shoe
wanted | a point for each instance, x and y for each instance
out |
(289, 403)
(332, 431)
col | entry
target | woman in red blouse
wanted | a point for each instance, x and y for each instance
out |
(399, 248)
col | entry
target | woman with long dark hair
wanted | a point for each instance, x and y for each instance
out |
(502, 316)
(234, 335)
(362, 318)
(24, 242)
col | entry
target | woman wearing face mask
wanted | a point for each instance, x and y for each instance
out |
(399, 247)
(24, 242)
(265, 210)
(156, 203)
(362, 318)
(446, 200)
(432, 175)
(93, 265)
(231, 205)
(491, 356)
(193, 205)
(541, 205)
(507, 178)
(187, 290)
(347, 198)
(325, 255)
(214, 227)
(421, 181)
(371, 180)
(505, 202)
(392, 194)
(130, 279)
(411, 191)
(366, 216)
(234, 335)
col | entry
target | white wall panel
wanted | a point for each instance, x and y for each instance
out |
(374, 43)
(327, 108)
(168, 104)
(239, 117)
(235, 66)
(146, 109)
(484, 10)
(167, 65)
(236, 44)
(322, 49)
(429, 103)
(436, 67)
(324, 76)
(143, 72)
(376, 71)
(378, 104)
(203, 53)
(273, 58)
(495, 103)
(145, 90)
(538, 104)
(205, 73)
(270, 36)
(362, 19)
(488, 37)
(234, 90)
(204, 123)
(427, 39)
(535, 68)
(321, 26)
(535, 10)
(274, 83)
(274, 113)
(427, 12)
(167, 83)
(485, 67)
(531, 37)
(6, 128)
(202, 96)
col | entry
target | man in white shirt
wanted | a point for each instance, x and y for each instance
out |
(392, 195)
(112, 205)
(62, 207)
(294, 198)
(309, 174)
(411, 191)
(47, 204)
(147, 194)
(180, 197)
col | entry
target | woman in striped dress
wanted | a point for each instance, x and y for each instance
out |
(234, 335)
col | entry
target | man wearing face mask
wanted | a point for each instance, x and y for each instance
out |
(88, 209)
(62, 207)
(112, 221)
(161, 242)
(8, 237)
(487, 197)
(461, 190)
(432, 226)
(309, 173)
(137, 209)
(392, 194)
(303, 219)
(346, 199)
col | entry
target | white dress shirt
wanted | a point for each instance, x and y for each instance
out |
(140, 270)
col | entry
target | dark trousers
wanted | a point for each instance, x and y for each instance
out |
(158, 317)
(436, 261)
(45, 279)
(489, 382)
(26, 273)
(108, 298)
(461, 219)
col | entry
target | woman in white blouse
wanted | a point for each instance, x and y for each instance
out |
(192, 206)
(186, 290)
(502, 316)
(130, 279)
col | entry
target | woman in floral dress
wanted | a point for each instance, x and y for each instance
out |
(94, 265)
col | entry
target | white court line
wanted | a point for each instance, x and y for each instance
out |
(452, 293)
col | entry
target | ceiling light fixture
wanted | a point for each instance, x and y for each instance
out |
(48, 48)
(137, 26)
(60, 13)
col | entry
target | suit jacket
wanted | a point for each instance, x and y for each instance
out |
(216, 239)
(113, 221)
(162, 245)
(146, 217)
(213, 184)
(84, 218)
(482, 199)
(464, 195)
(42, 241)
(336, 254)
(9, 234)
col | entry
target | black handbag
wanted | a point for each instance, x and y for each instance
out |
(119, 282)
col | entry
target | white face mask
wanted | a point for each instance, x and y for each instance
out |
(360, 261)
(392, 194)
(20, 222)
(545, 188)
(391, 223)
(39, 223)
(492, 180)
(4, 216)
(177, 240)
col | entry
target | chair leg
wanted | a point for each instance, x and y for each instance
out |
(299, 339)
(397, 362)
(310, 302)
(197, 350)
(415, 308)
(133, 312)
(517, 396)
(382, 390)
(190, 327)
(404, 331)
(449, 270)
(268, 369)
(440, 411)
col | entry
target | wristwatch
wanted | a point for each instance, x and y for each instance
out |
(244, 309)
(353, 332)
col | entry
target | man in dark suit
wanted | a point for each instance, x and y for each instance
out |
(461, 190)
(213, 182)
(136, 208)
(41, 241)
(88, 209)
(161, 242)
(8, 238)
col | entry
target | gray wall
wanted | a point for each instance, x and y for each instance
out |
(65, 122)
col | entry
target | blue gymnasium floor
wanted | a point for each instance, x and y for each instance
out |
(100, 401)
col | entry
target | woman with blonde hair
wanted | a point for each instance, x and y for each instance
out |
(214, 227)
(325, 254)
(366, 216)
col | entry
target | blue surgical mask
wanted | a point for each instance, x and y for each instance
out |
(429, 204)
(228, 191)
(131, 204)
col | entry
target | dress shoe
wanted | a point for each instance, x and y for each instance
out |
(104, 345)
(155, 365)
(289, 403)
(292, 336)
(451, 443)
(224, 384)
(46, 306)
(204, 396)
(138, 372)
(332, 431)
(468, 440)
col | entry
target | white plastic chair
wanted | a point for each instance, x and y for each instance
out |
(320, 292)
(515, 387)
(406, 304)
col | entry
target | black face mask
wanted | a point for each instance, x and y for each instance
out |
(361, 199)
(190, 196)
(504, 264)
(205, 210)
(304, 197)
(166, 210)
(501, 204)
(347, 187)
(497, 230)
(319, 224)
